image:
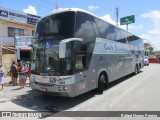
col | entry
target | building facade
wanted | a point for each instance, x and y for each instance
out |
(14, 23)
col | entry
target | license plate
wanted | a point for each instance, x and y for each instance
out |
(43, 89)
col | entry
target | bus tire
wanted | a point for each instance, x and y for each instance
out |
(101, 83)
(136, 70)
(106, 81)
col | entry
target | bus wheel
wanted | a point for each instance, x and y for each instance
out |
(106, 82)
(101, 83)
(138, 69)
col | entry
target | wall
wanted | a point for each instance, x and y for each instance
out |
(7, 61)
(5, 24)
(8, 58)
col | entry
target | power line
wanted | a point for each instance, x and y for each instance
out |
(57, 5)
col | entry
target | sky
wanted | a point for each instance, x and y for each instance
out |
(147, 13)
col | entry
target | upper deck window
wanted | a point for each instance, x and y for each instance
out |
(61, 24)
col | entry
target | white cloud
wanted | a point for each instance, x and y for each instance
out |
(153, 15)
(135, 26)
(153, 40)
(153, 35)
(132, 27)
(92, 7)
(154, 32)
(109, 19)
(31, 10)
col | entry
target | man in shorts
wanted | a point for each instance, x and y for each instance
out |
(1, 76)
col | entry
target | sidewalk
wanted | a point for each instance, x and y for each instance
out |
(7, 79)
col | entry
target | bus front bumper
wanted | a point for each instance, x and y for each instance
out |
(54, 90)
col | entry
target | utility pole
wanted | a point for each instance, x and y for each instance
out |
(57, 5)
(117, 13)
(127, 27)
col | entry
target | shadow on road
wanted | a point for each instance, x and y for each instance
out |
(18, 88)
(38, 102)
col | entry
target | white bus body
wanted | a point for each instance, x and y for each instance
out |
(74, 52)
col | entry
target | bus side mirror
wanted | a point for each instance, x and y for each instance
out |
(62, 49)
(63, 43)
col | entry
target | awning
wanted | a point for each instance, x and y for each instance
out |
(13, 50)
(25, 48)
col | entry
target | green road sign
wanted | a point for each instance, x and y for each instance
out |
(127, 20)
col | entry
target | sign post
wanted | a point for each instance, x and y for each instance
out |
(127, 20)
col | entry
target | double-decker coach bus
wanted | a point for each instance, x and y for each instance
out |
(75, 51)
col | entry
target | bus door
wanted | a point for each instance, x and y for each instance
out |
(91, 77)
(81, 82)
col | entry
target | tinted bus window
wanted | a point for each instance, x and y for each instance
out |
(102, 26)
(58, 24)
(84, 29)
(96, 29)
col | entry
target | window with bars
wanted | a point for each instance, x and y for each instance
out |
(15, 32)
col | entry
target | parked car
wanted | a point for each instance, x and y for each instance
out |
(153, 60)
(146, 61)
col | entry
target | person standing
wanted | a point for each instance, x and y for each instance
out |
(29, 71)
(22, 76)
(14, 73)
(26, 66)
(1, 75)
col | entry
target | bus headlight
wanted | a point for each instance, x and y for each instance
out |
(64, 88)
(60, 88)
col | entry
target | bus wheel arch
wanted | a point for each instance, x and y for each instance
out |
(140, 66)
(106, 79)
(136, 69)
(102, 81)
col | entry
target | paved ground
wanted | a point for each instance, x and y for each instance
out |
(7, 79)
(131, 93)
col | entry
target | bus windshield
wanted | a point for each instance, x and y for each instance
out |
(45, 48)
(45, 59)
(58, 24)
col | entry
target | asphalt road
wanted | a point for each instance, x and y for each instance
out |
(131, 93)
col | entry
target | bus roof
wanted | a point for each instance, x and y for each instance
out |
(69, 9)
(84, 11)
